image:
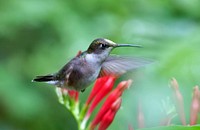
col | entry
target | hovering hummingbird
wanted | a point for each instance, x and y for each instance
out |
(95, 62)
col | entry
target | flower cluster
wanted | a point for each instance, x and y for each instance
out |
(103, 87)
(176, 109)
(195, 104)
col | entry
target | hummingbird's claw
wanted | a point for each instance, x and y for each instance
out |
(82, 90)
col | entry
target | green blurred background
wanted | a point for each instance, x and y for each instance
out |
(40, 36)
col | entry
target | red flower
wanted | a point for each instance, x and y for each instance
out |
(97, 86)
(108, 108)
(100, 91)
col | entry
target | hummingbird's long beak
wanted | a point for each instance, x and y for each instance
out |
(128, 45)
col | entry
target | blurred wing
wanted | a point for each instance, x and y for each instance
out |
(118, 65)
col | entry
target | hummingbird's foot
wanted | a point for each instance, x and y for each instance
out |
(82, 90)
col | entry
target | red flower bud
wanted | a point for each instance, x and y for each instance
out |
(194, 106)
(73, 94)
(110, 115)
(140, 117)
(130, 127)
(179, 101)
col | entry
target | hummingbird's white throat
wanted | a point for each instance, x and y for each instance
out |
(98, 58)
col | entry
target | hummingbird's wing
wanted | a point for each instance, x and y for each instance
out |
(118, 65)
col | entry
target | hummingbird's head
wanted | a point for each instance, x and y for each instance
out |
(105, 46)
(101, 45)
(100, 49)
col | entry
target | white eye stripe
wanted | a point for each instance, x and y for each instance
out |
(110, 42)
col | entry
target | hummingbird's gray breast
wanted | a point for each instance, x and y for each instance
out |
(78, 73)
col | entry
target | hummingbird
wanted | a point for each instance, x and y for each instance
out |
(91, 64)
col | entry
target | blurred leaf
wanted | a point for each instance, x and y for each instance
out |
(174, 128)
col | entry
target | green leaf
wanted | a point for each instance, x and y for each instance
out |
(173, 128)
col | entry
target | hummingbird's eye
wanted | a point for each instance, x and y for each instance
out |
(103, 46)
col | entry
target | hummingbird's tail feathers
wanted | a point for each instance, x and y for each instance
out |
(46, 78)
